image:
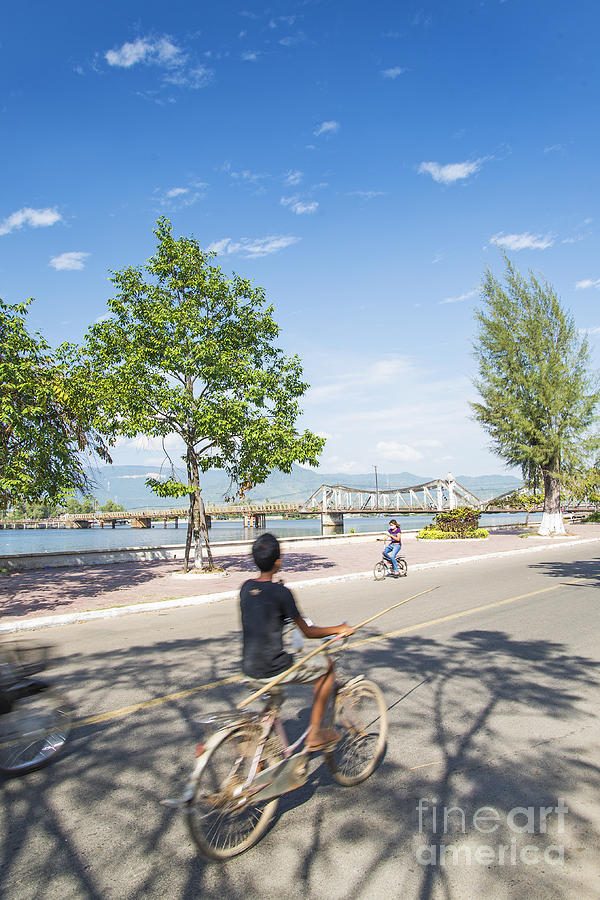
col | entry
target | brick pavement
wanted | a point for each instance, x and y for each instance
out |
(71, 590)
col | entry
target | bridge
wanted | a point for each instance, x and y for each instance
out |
(330, 502)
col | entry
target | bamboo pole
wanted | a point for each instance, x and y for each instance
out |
(300, 663)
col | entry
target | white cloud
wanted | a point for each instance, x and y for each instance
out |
(392, 450)
(451, 172)
(523, 241)
(194, 78)
(250, 55)
(378, 374)
(393, 73)
(587, 283)
(71, 261)
(293, 177)
(460, 298)
(180, 197)
(253, 248)
(298, 206)
(35, 218)
(341, 464)
(162, 52)
(331, 127)
(595, 329)
(366, 195)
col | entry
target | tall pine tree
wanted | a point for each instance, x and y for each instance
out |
(538, 398)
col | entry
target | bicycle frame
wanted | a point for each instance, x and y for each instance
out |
(283, 776)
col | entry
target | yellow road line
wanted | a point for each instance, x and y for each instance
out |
(458, 615)
(178, 695)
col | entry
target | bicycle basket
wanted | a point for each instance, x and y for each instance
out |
(23, 659)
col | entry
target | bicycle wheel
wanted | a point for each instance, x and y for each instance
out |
(402, 567)
(221, 822)
(360, 716)
(380, 571)
(33, 732)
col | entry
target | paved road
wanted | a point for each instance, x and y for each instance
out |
(492, 688)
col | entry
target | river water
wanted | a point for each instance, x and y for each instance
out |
(52, 540)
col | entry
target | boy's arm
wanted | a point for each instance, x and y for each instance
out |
(316, 631)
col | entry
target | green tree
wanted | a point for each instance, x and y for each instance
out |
(538, 399)
(112, 506)
(187, 351)
(44, 415)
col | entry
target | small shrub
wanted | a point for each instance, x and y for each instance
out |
(595, 517)
(430, 533)
(461, 520)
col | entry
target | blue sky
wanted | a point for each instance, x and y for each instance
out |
(363, 162)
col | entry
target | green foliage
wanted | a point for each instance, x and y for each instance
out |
(522, 500)
(190, 352)
(594, 517)
(584, 485)
(44, 415)
(461, 520)
(112, 506)
(431, 533)
(538, 400)
(168, 488)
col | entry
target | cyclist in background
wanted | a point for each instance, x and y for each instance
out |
(392, 550)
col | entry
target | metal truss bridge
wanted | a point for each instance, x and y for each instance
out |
(432, 496)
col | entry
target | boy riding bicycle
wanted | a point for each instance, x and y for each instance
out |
(265, 606)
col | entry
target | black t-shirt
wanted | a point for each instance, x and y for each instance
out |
(265, 606)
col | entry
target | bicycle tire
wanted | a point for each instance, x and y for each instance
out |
(380, 571)
(360, 716)
(402, 567)
(220, 828)
(34, 732)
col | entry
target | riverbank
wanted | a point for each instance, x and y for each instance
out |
(40, 598)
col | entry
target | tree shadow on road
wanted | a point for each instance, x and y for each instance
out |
(583, 570)
(487, 711)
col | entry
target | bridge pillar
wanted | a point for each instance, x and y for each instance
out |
(176, 521)
(209, 520)
(113, 523)
(81, 523)
(141, 522)
(332, 523)
(255, 520)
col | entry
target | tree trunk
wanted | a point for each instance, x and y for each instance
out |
(552, 521)
(188, 538)
(200, 529)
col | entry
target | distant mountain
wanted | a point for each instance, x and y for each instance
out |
(126, 485)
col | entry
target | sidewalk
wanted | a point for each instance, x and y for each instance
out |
(74, 591)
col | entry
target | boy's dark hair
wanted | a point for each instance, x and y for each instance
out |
(265, 551)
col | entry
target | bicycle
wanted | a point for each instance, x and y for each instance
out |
(384, 568)
(247, 763)
(35, 720)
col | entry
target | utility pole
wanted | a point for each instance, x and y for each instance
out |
(376, 489)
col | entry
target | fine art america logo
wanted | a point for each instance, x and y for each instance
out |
(442, 823)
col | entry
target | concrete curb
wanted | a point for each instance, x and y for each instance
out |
(159, 605)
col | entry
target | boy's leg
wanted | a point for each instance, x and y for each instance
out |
(318, 736)
(395, 551)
